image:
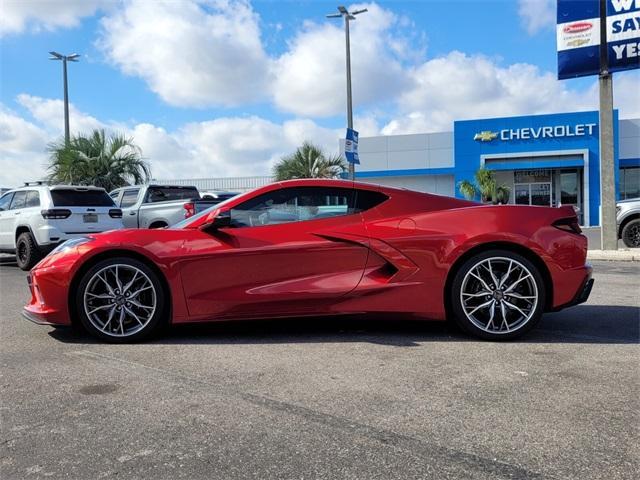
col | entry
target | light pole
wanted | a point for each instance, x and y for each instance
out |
(348, 16)
(71, 58)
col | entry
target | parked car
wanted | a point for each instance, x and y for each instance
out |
(36, 218)
(217, 195)
(628, 218)
(157, 206)
(322, 247)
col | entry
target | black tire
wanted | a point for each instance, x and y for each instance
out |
(27, 252)
(158, 225)
(631, 233)
(500, 297)
(157, 318)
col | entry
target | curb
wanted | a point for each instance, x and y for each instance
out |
(614, 255)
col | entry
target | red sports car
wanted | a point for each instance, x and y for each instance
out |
(321, 247)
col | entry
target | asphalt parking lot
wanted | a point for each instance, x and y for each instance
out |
(327, 398)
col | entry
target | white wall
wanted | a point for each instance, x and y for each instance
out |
(629, 135)
(405, 152)
(440, 184)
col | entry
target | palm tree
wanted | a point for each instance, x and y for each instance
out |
(484, 186)
(309, 161)
(97, 159)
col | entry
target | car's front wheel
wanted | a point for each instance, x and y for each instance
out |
(120, 300)
(631, 233)
(498, 295)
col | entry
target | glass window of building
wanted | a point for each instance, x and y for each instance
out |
(629, 183)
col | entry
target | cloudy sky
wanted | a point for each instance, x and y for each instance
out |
(213, 88)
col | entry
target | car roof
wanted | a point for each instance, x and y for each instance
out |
(76, 187)
(327, 182)
(56, 187)
(153, 185)
(161, 185)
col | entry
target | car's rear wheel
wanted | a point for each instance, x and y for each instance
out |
(631, 233)
(27, 253)
(498, 295)
(120, 300)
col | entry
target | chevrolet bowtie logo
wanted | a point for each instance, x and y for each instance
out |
(485, 136)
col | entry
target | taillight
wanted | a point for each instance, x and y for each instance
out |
(115, 213)
(56, 213)
(570, 225)
(190, 209)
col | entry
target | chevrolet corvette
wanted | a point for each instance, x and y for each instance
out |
(318, 248)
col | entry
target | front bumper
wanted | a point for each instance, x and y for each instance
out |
(35, 318)
(48, 304)
(582, 295)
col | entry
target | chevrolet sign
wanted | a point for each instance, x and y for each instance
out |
(485, 136)
(534, 133)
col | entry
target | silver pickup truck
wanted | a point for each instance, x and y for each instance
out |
(628, 218)
(156, 206)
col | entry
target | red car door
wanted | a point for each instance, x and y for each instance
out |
(289, 251)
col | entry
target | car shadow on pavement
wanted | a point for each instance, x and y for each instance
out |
(598, 324)
(8, 261)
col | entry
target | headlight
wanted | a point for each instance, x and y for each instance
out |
(69, 244)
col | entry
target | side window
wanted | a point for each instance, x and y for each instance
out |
(166, 194)
(5, 201)
(33, 199)
(366, 199)
(114, 196)
(19, 200)
(129, 197)
(293, 205)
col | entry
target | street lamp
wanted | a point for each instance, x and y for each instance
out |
(71, 58)
(348, 16)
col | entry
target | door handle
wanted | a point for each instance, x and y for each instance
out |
(17, 213)
(132, 213)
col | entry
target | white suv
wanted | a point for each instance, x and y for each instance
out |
(35, 218)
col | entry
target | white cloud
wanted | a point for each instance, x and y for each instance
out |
(22, 149)
(197, 53)
(50, 114)
(537, 15)
(227, 146)
(166, 154)
(20, 15)
(626, 94)
(245, 146)
(309, 78)
(191, 53)
(459, 86)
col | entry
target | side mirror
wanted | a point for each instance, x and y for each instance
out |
(218, 219)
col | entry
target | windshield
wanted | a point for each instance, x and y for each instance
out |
(204, 213)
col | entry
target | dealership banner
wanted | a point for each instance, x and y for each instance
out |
(351, 146)
(578, 36)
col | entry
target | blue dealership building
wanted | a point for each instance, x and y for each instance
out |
(548, 159)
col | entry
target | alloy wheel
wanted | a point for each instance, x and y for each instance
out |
(120, 300)
(632, 235)
(499, 295)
